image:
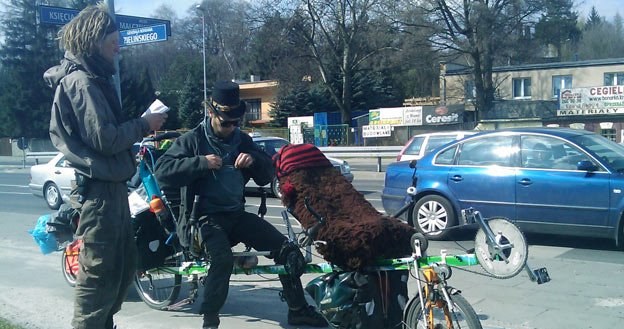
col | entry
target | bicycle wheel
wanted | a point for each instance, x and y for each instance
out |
(158, 288)
(69, 271)
(463, 315)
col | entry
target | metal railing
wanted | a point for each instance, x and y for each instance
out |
(376, 152)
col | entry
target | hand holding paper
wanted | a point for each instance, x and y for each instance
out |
(156, 107)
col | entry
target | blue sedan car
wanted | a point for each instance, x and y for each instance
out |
(547, 180)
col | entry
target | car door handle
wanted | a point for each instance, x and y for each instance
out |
(525, 182)
(58, 172)
(457, 178)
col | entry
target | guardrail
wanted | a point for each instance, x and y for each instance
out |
(41, 156)
(378, 152)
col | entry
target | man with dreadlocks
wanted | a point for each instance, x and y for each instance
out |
(87, 126)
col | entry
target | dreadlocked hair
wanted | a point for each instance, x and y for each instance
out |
(83, 34)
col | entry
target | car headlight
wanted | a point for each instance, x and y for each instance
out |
(345, 168)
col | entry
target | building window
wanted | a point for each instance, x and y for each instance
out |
(560, 82)
(253, 109)
(522, 88)
(614, 79)
(608, 134)
(470, 91)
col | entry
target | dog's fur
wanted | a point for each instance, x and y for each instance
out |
(355, 232)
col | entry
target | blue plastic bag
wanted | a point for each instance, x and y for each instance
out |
(46, 241)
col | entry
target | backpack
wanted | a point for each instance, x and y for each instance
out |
(361, 300)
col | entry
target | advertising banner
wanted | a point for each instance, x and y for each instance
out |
(442, 115)
(386, 116)
(591, 101)
(376, 131)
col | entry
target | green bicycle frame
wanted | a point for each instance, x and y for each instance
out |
(406, 263)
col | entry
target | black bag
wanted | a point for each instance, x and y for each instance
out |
(151, 240)
(358, 300)
(63, 224)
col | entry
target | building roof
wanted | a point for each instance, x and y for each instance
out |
(460, 70)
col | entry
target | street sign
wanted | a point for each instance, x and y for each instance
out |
(61, 16)
(143, 35)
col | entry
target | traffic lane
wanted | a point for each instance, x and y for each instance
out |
(581, 275)
(17, 197)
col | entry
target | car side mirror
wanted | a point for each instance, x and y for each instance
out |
(586, 165)
(412, 164)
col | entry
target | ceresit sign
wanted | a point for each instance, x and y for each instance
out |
(441, 115)
(601, 100)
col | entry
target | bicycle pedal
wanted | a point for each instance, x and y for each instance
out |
(541, 275)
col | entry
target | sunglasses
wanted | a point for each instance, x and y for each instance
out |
(227, 124)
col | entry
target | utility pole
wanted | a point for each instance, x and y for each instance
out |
(200, 8)
(116, 79)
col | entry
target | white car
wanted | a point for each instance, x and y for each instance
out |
(421, 144)
(272, 145)
(52, 181)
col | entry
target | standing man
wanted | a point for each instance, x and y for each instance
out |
(214, 161)
(87, 126)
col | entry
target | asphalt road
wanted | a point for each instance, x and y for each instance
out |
(586, 290)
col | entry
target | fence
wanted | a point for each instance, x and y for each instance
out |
(376, 152)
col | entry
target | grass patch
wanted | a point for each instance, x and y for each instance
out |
(4, 324)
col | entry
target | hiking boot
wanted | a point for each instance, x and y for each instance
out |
(306, 315)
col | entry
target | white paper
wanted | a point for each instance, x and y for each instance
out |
(137, 203)
(156, 107)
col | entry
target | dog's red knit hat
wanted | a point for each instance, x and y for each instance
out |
(298, 156)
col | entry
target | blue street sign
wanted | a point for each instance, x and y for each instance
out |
(61, 16)
(143, 35)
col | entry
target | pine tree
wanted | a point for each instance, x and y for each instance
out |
(191, 110)
(27, 52)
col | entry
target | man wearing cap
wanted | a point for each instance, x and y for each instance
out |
(88, 127)
(214, 161)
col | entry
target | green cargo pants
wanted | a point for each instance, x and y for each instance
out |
(107, 258)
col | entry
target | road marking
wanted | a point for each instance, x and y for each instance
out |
(24, 193)
(9, 185)
(610, 302)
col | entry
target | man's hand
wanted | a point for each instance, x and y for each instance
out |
(155, 120)
(244, 160)
(214, 161)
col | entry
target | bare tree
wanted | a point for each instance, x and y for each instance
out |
(481, 30)
(339, 37)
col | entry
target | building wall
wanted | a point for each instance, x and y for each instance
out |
(584, 74)
(266, 91)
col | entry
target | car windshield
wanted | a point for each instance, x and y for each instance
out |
(606, 150)
(271, 146)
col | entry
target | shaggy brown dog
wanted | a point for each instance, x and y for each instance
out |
(356, 234)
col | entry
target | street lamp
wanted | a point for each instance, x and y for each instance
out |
(200, 8)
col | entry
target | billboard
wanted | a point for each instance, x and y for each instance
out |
(603, 100)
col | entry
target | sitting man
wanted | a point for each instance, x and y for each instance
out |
(542, 157)
(214, 161)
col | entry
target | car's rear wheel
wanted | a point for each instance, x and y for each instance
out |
(52, 195)
(432, 215)
(275, 188)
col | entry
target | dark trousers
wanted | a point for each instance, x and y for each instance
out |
(107, 258)
(222, 231)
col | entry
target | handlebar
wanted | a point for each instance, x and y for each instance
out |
(159, 137)
(312, 232)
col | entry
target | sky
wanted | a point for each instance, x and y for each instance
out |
(145, 8)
